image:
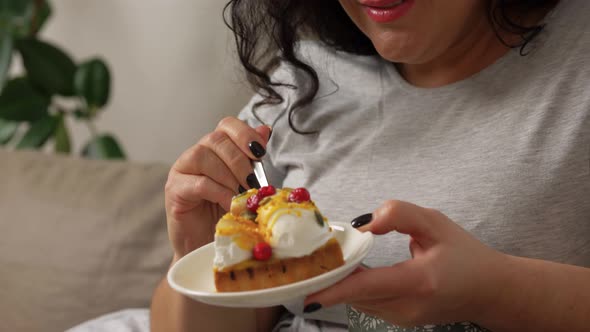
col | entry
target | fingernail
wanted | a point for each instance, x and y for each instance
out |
(361, 220)
(253, 181)
(241, 189)
(257, 150)
(312, 307)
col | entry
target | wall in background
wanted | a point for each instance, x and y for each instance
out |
(173, 64)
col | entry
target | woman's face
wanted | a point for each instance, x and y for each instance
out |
(417, 31)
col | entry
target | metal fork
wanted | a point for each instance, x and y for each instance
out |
(260, 173)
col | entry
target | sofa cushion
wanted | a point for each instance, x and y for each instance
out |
(78, 238)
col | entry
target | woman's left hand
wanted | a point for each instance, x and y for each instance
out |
(452, 276)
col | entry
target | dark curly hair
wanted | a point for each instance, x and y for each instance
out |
(266, 33)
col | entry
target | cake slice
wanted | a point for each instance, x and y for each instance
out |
(271, 238)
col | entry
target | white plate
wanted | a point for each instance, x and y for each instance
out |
(192, 275)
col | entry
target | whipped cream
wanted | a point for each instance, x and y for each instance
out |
(227, 252)
(296, 232)
(291, 228)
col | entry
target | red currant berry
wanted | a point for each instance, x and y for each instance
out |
(262, 251)
(253, 202)
(299, 195)
(267, 191)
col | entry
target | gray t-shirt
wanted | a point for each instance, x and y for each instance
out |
(504, 153)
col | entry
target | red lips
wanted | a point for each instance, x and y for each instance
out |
(383, 11)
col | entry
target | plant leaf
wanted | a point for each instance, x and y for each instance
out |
(38, 133)
(93, 81)
(20, 102)
(15, 7)
(31, 16)
(47, 66)
(6, 46)
(81, 114)
(62, 137)
(40, 16)
(103, 147)
(7, 130)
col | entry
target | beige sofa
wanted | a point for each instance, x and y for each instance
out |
(78, 238)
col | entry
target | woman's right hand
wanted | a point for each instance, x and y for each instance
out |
(205, 177)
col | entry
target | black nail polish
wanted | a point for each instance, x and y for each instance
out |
(312, 307)
(253, 181)
(361, 220)
(257, 150)
(270, 132)
(241, 189)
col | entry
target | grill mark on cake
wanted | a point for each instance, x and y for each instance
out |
(250, 272)
(232, 275)
(284, 268)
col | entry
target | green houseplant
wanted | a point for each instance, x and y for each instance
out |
(30, 114)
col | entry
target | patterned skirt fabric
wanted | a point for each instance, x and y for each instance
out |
(361, 322)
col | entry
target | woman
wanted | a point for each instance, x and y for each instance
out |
(460, 127)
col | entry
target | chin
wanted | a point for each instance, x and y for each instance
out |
(393, 55)
(398, 52)
(410, 48)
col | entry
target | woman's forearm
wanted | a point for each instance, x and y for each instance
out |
(171, 311)
(536, 295)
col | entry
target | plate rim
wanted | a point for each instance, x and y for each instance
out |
(354, 259)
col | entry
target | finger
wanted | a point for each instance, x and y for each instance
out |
(186, 188)
(264, 131)
(379, 304)
(231, 155)
(247, 139)
(359, 269)
(406, 218)
(372, 284)
(201, 160)
(415, 248)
